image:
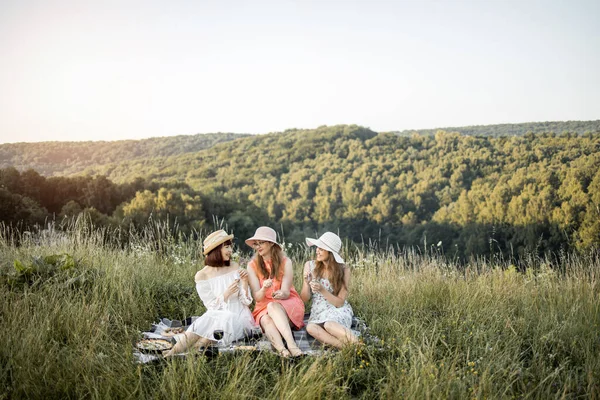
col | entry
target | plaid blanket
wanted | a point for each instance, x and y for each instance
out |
(255, 338)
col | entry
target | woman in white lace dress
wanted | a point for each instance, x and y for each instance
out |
(223, 288)
(327, 278)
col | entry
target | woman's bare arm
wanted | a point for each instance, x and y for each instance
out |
(257, 292)
(305, 294)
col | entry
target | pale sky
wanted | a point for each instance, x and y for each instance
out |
(111, 70)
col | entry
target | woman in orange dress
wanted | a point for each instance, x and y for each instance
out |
(278, 305)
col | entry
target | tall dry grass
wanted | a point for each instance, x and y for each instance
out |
(480, 330)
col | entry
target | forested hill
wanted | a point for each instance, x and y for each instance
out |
(68, 158)
(464, 194)
(73, 158)
(540, 190)
(556, 127)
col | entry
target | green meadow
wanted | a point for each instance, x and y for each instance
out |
(73, 301)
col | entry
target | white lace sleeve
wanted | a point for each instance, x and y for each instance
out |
(210, 300)
(245, 296)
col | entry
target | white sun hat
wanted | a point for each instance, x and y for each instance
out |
(328, 241)
(263, 233)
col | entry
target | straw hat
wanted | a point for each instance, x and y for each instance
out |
(328, 241)
(215, 239)
(263, 233)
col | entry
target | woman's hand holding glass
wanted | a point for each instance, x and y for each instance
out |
(234, 288)
(315, 286)
(281, 295)
(267, 283)
(243, 275)
(308, 277)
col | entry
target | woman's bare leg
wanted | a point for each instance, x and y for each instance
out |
(272, 333)
(282, 322)
(319, 333)
(187, 340)
(340, 332)
(203, 342)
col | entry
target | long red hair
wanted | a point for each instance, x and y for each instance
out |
(277, 260)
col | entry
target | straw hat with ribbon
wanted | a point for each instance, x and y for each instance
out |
(328, 241)
(264, 234)
(214, 240)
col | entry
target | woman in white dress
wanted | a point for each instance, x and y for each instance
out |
(223, 288)
(326, 280)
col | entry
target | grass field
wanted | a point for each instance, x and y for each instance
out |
(75, 301)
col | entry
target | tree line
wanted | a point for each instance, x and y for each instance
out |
(28, 199)
(462, 195)
(556, 127)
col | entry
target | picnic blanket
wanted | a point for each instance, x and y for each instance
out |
(305, 342)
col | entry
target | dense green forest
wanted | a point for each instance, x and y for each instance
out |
(556, 127)
(72, 158)
(28, 199)
(457, 194)
(68, 158)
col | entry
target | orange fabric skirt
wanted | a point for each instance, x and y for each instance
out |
(293, 305)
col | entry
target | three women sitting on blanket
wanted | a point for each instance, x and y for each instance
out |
(327, 278)
(223, 288)
(278, 306)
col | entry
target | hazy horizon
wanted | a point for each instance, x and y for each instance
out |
(83, 70)
(265, 133)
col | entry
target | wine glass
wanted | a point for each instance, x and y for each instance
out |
(218, 334)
